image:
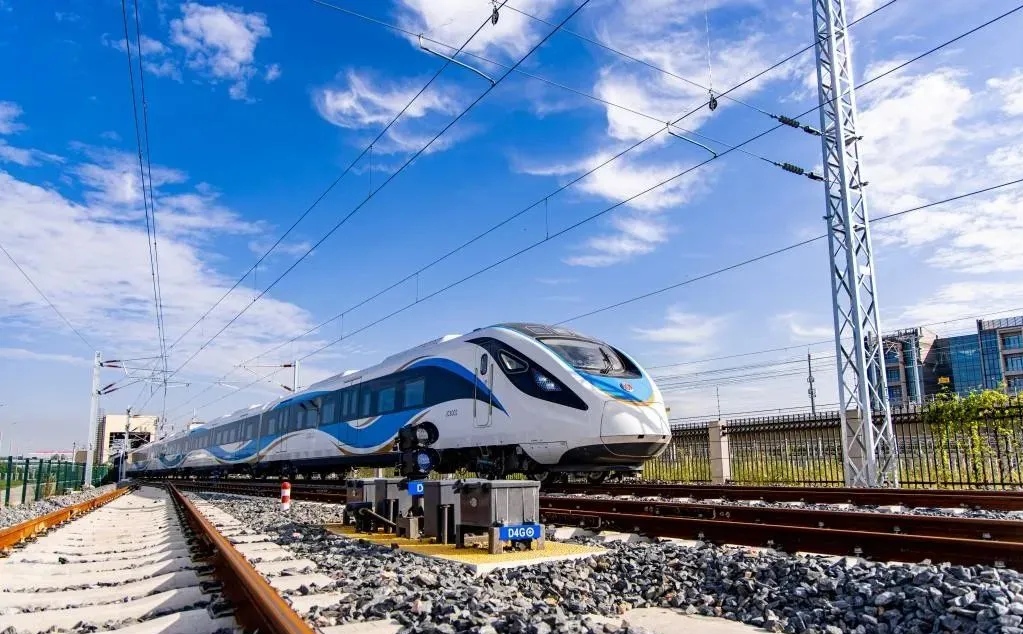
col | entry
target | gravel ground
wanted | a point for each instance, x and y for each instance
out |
(934, 512)
(774, 591)
(11, 515)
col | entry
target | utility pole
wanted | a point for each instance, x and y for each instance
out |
(294, 375)
(124, 445)
(93, 415)
(868, 441)
(812, 391)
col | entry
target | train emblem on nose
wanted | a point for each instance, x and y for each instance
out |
(626, 386)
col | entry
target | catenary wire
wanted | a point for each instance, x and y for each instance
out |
(545, 198)
(46, 299)
(681, 78)
(384, 184)
(781, 250)
(150, 225)
(477, 56)
(822, 342)
(684, 283)
(329, 188)
(509, 219)
(154, 254)
(666, 181)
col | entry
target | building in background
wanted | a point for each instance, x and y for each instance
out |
(110, 434)
(910, 363)
(991, 358)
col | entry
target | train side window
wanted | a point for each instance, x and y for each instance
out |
(385, 402)
(312, 415)
(272, 427)
(328, 410)
(512, 364)
(415, 393)
(298, 419)
(367, 404)
(484, 362)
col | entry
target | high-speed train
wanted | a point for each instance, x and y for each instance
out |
(511, 398)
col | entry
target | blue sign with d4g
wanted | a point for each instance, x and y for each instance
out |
(518, 532)
(415, 487)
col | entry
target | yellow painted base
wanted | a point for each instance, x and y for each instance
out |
(477, 558)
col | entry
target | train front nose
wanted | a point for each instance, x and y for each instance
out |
(634, 431)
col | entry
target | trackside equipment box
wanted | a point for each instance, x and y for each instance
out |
(500, 511)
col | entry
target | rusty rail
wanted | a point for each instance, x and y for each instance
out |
(13, 535)
(939, 498)
(895, 524)
(829, 541)
(257, 605)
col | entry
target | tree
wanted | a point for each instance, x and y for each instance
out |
(965, 422)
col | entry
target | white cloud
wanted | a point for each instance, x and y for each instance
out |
(1010, 89)
(25, 156)
(156, 56)
(685, 335)
(273, 72)
(221, 42)
(641, 229)
(800, 327)
(9, 114)
(453, 21)
(953, 301)
(104, 287)
(111, 183)
(356, 102)
(929, 135)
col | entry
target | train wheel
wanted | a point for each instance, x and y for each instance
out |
(596, 477)
(539, 476)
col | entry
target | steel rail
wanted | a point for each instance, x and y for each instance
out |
(931, 498)
(13, 535)
(792, 539)
(258, 607)
(891, 523)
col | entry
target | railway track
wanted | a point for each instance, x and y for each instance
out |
(878, 536)
(138, 561)
(917, 498)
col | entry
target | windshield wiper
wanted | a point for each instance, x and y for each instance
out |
(608, 364)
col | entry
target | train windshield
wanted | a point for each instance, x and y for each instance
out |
(588, 355)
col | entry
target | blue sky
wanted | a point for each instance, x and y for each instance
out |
(255, 108)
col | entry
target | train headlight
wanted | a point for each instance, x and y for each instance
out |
(544, 382)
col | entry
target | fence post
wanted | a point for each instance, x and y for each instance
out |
(10, 474)
(720, 460)
(24, 481)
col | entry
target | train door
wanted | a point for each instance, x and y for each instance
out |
(483, 404)
(278, 433)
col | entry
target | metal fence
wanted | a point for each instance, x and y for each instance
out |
(26, 480)
(806, 450)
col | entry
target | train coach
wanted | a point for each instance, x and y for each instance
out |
(511, 398)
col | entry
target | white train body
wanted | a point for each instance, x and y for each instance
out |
(507, 398)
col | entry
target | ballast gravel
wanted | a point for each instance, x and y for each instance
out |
(11, 515)
(774, 591)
